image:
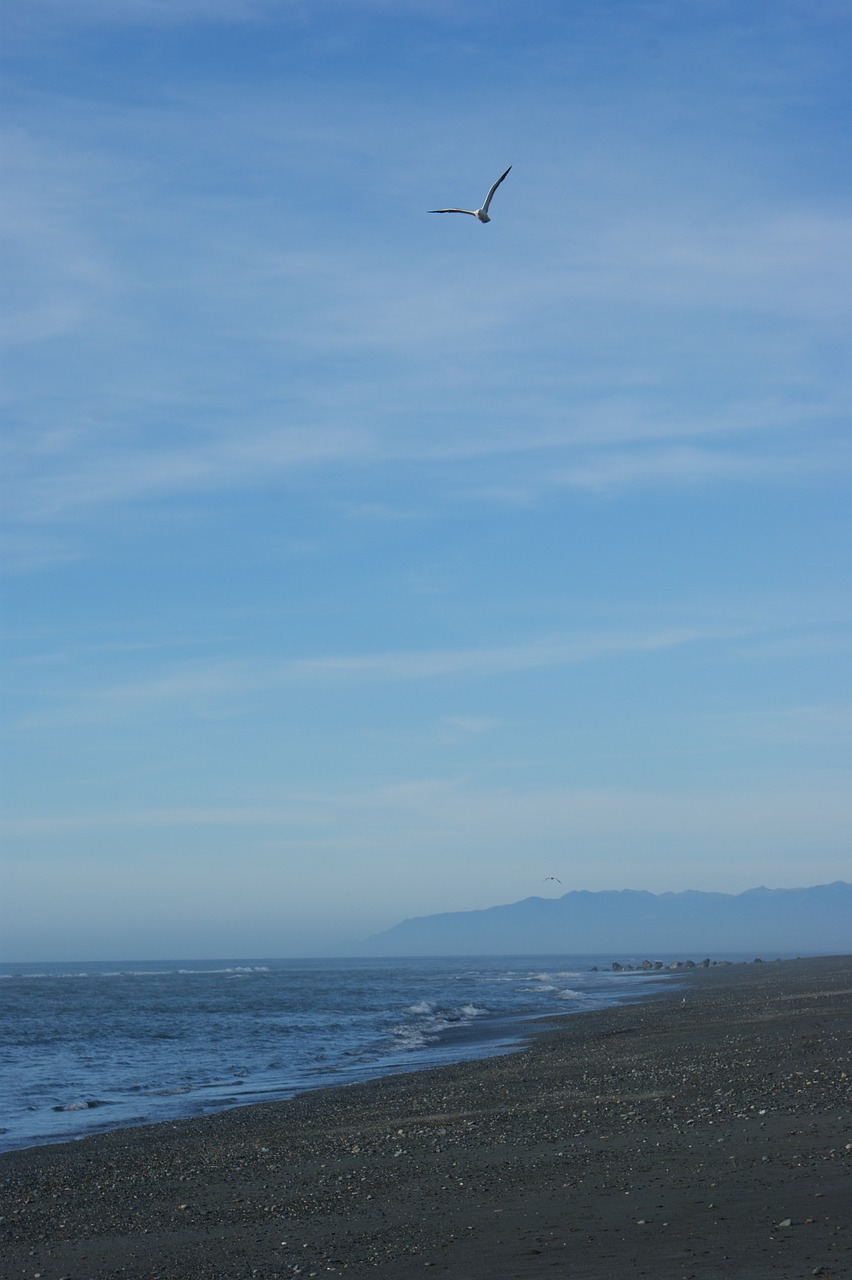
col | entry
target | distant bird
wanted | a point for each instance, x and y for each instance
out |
(556, 878)
(481, 214)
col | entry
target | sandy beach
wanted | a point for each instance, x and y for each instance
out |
(706, 1134)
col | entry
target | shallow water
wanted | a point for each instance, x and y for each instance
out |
(87, 1047)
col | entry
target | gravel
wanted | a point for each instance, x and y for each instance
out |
(705, 1134)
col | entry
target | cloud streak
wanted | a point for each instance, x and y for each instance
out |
(405, 819)
(61, 478)
(433, 549)
(204, 684)
(365, 349)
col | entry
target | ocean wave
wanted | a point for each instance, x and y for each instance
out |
(433, 1022)
(236, 970)
(559, 976)
(176, 1033)
(472, 1011)
(80, 1105)
(101, 975)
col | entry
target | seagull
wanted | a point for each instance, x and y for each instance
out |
(481, 214)
(556, 878)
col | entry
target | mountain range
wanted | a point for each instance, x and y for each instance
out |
(816, 920)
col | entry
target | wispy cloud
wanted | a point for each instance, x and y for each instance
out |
(106, 475)
(471, 724)
(690, 466)
(23, 551)
(37, 16)
(203, 684)
(152, 819)
(817, 723)
(373, 347)
(57, 275)
(573, 826)
(616, 448)
(484, 662)
(797, 262)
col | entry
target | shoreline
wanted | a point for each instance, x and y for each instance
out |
(440, 1034)
(675, 1136)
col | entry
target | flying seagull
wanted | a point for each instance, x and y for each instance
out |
(481, 214)
(556, 878)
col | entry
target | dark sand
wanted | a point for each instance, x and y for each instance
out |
(711, 1138)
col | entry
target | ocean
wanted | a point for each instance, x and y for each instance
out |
(90, 1047)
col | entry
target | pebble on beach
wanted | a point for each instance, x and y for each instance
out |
(653, 1139)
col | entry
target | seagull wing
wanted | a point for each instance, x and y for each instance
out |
(472, 212)
(493, 189)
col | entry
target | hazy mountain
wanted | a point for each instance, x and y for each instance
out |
(816, 920)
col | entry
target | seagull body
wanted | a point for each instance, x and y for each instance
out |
(481, 214)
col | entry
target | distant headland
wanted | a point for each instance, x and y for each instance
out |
(811, 921)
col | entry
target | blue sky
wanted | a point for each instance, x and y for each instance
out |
(360, 564)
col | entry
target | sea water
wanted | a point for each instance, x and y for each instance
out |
(89, 1047)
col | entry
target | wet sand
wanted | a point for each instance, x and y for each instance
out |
(705, 1134)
